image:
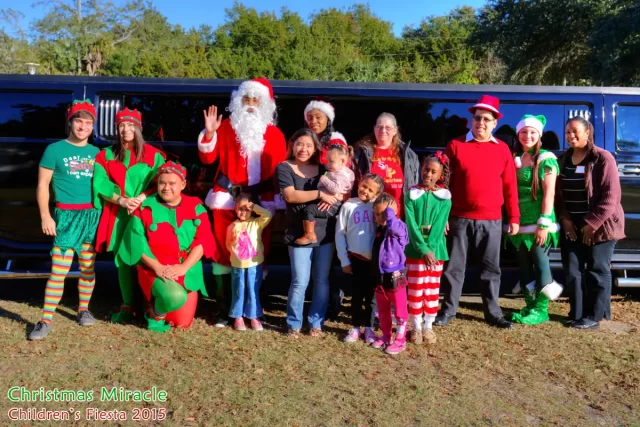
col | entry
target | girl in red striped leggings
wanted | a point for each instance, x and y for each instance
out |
(427, 209)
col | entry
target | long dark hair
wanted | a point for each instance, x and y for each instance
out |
(138, 145)
(325, 135)
(304, 132)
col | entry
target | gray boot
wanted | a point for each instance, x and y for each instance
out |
(40, 330)
(85, 318)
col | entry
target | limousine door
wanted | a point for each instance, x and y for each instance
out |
(622, 138)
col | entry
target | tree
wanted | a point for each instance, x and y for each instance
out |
(15, 50)
(77, 36)
(543, 41)
(616, 40)
(442, 44)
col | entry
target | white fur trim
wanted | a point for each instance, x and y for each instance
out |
(325, 107)
(219, 200)
(442, 193)
(552, 291)
(415, 193)
(518, 161)
(544, 156)
(337, 136)
(250, 87)
(207, 147)
(530, 122)
(253, 167)
(280, 203)
(270, 206)
(544, 221)
(530, 229)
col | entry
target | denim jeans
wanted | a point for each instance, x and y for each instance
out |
(588, 274)
(307, 263)
(245, 291)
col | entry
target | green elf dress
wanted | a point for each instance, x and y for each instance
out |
(128, 178)
(168, 234)
(534, 280)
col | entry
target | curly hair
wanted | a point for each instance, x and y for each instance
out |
(446, 171)
(325, 135)
(384, 198)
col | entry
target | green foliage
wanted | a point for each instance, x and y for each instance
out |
(509, 41)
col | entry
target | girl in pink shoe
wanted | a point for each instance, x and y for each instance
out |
(388, 261)
(244, 242)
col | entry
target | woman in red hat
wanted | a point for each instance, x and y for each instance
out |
(121, 180)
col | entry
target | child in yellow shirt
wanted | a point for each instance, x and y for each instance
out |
(244, 242)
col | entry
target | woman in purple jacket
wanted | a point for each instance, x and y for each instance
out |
(388, 260)
(589, 210)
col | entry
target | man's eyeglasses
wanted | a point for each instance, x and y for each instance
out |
(483, 119)
(387, 128)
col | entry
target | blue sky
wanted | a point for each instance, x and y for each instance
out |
(192, 13)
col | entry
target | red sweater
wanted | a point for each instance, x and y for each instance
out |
(483, 178)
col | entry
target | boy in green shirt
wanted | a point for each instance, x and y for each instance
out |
(68, 165)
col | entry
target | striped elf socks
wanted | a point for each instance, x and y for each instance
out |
(87, 280)
(60, 265)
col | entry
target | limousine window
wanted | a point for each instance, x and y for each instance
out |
(628, 127)
(33, 114)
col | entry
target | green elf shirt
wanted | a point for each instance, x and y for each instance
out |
(426, 216)
(530, 209)
(72, 167)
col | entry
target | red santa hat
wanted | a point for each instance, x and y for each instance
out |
(126, 115)
(323, 106)
(81, 105)
(337, 139)
(258, 87)
(489, 103)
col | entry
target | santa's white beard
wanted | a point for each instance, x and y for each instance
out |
(250, 127)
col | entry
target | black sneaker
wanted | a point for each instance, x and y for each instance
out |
(85, 318)
(40, 330)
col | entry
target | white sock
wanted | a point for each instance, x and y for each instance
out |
(428, 321)
(416, 321)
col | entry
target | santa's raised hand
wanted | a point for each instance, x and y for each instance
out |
(212, 121)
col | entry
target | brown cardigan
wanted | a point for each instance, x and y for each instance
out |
(605, 210)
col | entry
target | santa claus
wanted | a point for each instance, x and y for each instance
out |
(247, 146)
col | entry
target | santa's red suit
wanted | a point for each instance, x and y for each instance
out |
(253, 172)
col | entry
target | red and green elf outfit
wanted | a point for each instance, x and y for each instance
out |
(128, 178)
(168, 234)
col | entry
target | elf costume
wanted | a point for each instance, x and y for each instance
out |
(168, 234)
(76, 222)
(128, 178)
(535, 273)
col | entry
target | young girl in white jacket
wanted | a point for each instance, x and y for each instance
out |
(355, 231)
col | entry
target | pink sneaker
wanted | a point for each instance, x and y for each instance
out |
(400, 343)
(256, 325)
(369, 335)
(381, 342)
(353, 335)
(239, 325)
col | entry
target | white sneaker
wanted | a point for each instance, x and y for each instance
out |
(221, 323)
(353, 335)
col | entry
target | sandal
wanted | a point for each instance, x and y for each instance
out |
(315, 332)
(293, 333)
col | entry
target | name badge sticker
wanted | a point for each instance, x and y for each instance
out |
(580, 169)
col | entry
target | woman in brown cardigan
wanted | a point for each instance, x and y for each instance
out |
(589, 210)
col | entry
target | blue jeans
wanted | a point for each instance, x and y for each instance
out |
(245, 292)
(307, 263)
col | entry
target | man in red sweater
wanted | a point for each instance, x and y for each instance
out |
(483, 178)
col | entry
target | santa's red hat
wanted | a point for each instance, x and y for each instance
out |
(337, 138)
(323, 106)
(258, 87)
(175, 168)
(489, 103)
(126, 115)
(81, 105)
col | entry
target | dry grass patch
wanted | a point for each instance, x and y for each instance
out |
(475, 375)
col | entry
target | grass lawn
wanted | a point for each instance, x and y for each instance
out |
(474, 375)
